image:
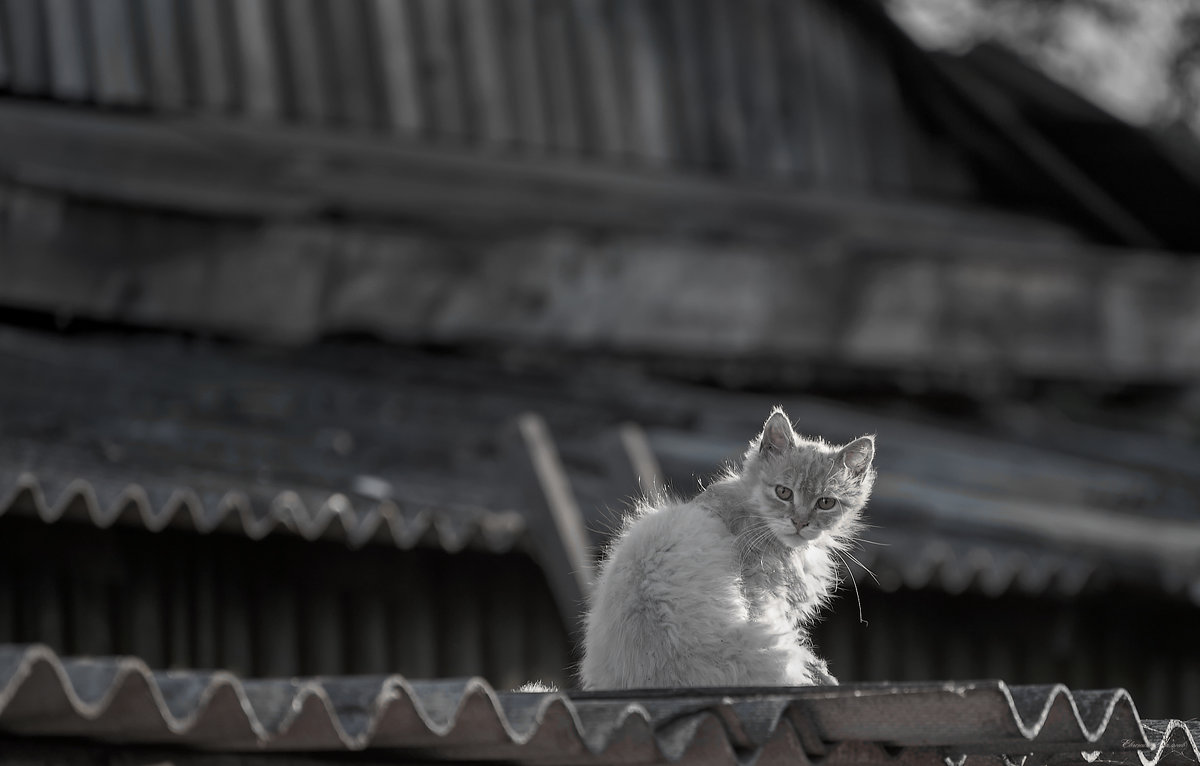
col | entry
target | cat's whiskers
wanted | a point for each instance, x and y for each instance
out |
(753, 539)
(864, 566)
(853, 582)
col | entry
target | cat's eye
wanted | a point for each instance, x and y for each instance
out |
(825, 503)
(783, 492)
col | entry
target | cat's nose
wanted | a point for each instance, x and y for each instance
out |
(800, 523)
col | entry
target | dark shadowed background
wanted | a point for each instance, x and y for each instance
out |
(336, 335)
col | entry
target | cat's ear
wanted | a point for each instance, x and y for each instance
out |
(857, 455)
(777, 433)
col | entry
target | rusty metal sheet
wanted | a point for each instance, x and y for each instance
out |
(120, 700)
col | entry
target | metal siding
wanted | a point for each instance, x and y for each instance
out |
(279, 607)
(609, 79)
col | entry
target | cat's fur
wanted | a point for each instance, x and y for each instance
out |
(720, 590)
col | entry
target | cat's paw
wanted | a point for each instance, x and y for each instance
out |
(821, 676)
(537, 686)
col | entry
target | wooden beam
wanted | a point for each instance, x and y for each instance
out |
(352, 64)
(487, 85)
(393, 25)
(642, 458)
(68, 65)
(599, 65)
(556, 487)
(256, 55)
(118, 79)
(27, 71)
(245, 170)
(525, 63)
(215, 86)
(854, 282)
(441, 68)
(165, 62)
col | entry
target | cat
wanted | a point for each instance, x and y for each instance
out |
(721, 590)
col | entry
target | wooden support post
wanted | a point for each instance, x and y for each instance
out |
(641, 457)
(556, 487)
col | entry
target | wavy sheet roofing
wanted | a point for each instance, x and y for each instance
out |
(334, 517)
(956, 723)
(372, 445)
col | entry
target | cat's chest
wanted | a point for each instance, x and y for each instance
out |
(770, 592)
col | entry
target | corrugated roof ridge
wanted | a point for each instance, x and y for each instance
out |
(1169, 737)
(41, 693)
(1019, 700)
(496, 531)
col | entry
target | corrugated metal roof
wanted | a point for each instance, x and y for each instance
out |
(121, 700)
(406, 448)
(332, 517)
(959, 563)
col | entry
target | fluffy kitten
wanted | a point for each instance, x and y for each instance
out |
(720, 590)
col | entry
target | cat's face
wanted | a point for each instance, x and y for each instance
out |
(807, 491)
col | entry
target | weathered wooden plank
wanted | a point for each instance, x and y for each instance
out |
(487, 81)
(559, 498)
(765, 111)
(118, 80)
(28, 63)
(351, 64)
(728, 112)
(215, 86)
(259, 82)
(5, 69)
(602, 96)
(862, 134)
(845, 169)
(531, 123)
(1001, 121)
(563, 87)
(887, 122)
(692, 97)
(642, 459)
(392, 20)
(168, 89)
(818, 108)
(205, 168)
(651, 136)
(68, 68)
(798, 101)
(304, 70)
(441, 70)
